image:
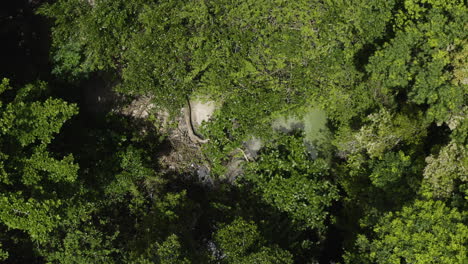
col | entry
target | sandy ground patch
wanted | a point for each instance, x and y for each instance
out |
(201, 111)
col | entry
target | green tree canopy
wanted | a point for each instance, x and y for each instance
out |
(424, 232)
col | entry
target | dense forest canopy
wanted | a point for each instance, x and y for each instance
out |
(253, 131)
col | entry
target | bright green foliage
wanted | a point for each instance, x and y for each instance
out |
(157, 57)
(27, 128)
(132, 172)
(87, 245)
(418, 9)
(217, 48)
(236, 238)
(413, 81)
(388, 82)
(286, 178)
(240, 243)
(31, 121)
(28, 171)
(56, 170)
(169, 252)
(37, 218)
(390, 169)
(227, 50)
(416, 61)
(347, 32)
(425, 232)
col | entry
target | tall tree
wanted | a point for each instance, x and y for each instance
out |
(31, 198)
(423, 232)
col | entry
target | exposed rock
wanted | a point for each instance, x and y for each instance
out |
(91, 2)
(234, 169)
(194, 137)
(201, 111)
(141, 107)
(252, 146)
(288, 124)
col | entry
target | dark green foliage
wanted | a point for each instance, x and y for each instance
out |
(88, 38)
(286, 178)
(415, 62)
(374, 171)
(84, 245)
(240, 242)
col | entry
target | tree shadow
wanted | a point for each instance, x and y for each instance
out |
(25, 42)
